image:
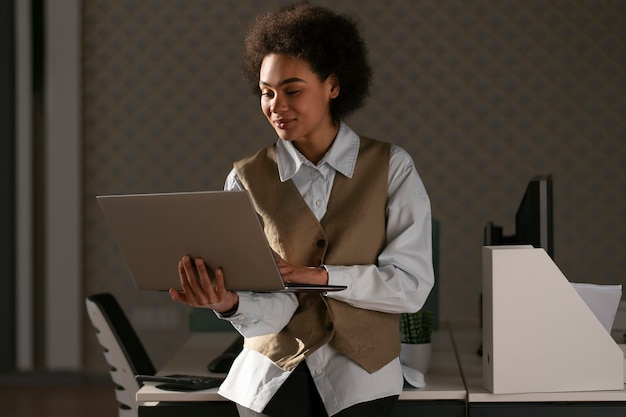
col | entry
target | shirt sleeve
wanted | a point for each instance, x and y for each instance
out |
(403, 276)
(259, 313)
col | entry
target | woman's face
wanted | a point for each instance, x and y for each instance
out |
(295, 101)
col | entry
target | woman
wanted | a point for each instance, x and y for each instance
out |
(337, 208)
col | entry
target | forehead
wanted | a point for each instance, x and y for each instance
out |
(276, 69)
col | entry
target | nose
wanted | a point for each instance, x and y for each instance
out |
(278, 103)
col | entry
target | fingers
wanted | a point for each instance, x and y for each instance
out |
(285, 269)
(190, 283)
(198, 289)
(184, 272)
(304, 274)
(214, 289)
(220, 287)
(197, 276)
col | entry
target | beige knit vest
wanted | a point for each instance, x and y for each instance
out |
(352, 232)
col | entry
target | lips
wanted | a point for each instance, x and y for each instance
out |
(283, 123)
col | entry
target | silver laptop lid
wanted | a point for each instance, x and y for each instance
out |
(154, 231)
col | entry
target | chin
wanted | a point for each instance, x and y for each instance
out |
(285, 136)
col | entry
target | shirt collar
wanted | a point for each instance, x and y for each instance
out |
(341, 156)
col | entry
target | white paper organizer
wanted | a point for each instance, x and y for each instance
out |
(538, 333)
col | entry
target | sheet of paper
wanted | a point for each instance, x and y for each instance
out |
(603, 300)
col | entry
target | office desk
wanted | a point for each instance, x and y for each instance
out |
(481, 403)
(444, 394)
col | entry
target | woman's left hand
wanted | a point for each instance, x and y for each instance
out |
(302, 274)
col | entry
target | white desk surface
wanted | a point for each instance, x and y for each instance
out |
(467, 338)
(443, 380)
(191, 359)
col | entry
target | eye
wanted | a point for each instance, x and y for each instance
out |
(267, 94)
(293, 92)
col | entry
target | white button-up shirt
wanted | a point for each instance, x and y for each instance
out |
(399, 282)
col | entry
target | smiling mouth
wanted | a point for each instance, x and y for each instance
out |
(283, 123)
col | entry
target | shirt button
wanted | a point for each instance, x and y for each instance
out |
(318, 371)
(319, 203)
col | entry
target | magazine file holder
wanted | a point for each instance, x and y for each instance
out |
(538, 333)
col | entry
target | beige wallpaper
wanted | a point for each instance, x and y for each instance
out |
(483, 93)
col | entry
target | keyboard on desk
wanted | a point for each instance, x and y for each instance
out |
(179, 382)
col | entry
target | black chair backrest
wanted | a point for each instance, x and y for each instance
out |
(131, 345)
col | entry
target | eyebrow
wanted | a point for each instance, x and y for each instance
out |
(283, 82)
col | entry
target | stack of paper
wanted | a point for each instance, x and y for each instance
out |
(602, 300)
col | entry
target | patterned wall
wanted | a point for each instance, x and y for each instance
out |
(483, 93)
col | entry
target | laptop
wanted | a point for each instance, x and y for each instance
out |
(154, 231)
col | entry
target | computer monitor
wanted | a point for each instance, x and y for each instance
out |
(534, 223)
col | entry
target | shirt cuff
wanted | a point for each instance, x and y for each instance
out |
(338, 274)
(247, 311)
(229, 313)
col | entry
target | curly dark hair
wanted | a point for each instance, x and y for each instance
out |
(329, 42)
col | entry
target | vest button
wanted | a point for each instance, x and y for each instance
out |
(320, 243)
(330, 327)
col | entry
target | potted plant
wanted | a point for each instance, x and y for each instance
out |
(415, 331)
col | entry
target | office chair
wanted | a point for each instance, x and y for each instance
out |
(123, 350)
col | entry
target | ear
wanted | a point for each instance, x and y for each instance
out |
(334, 86)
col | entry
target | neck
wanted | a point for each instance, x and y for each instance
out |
(314, 148)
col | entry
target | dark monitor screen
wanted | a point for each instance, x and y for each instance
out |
(534, 223)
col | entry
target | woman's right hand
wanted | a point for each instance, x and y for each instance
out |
(199, 289)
